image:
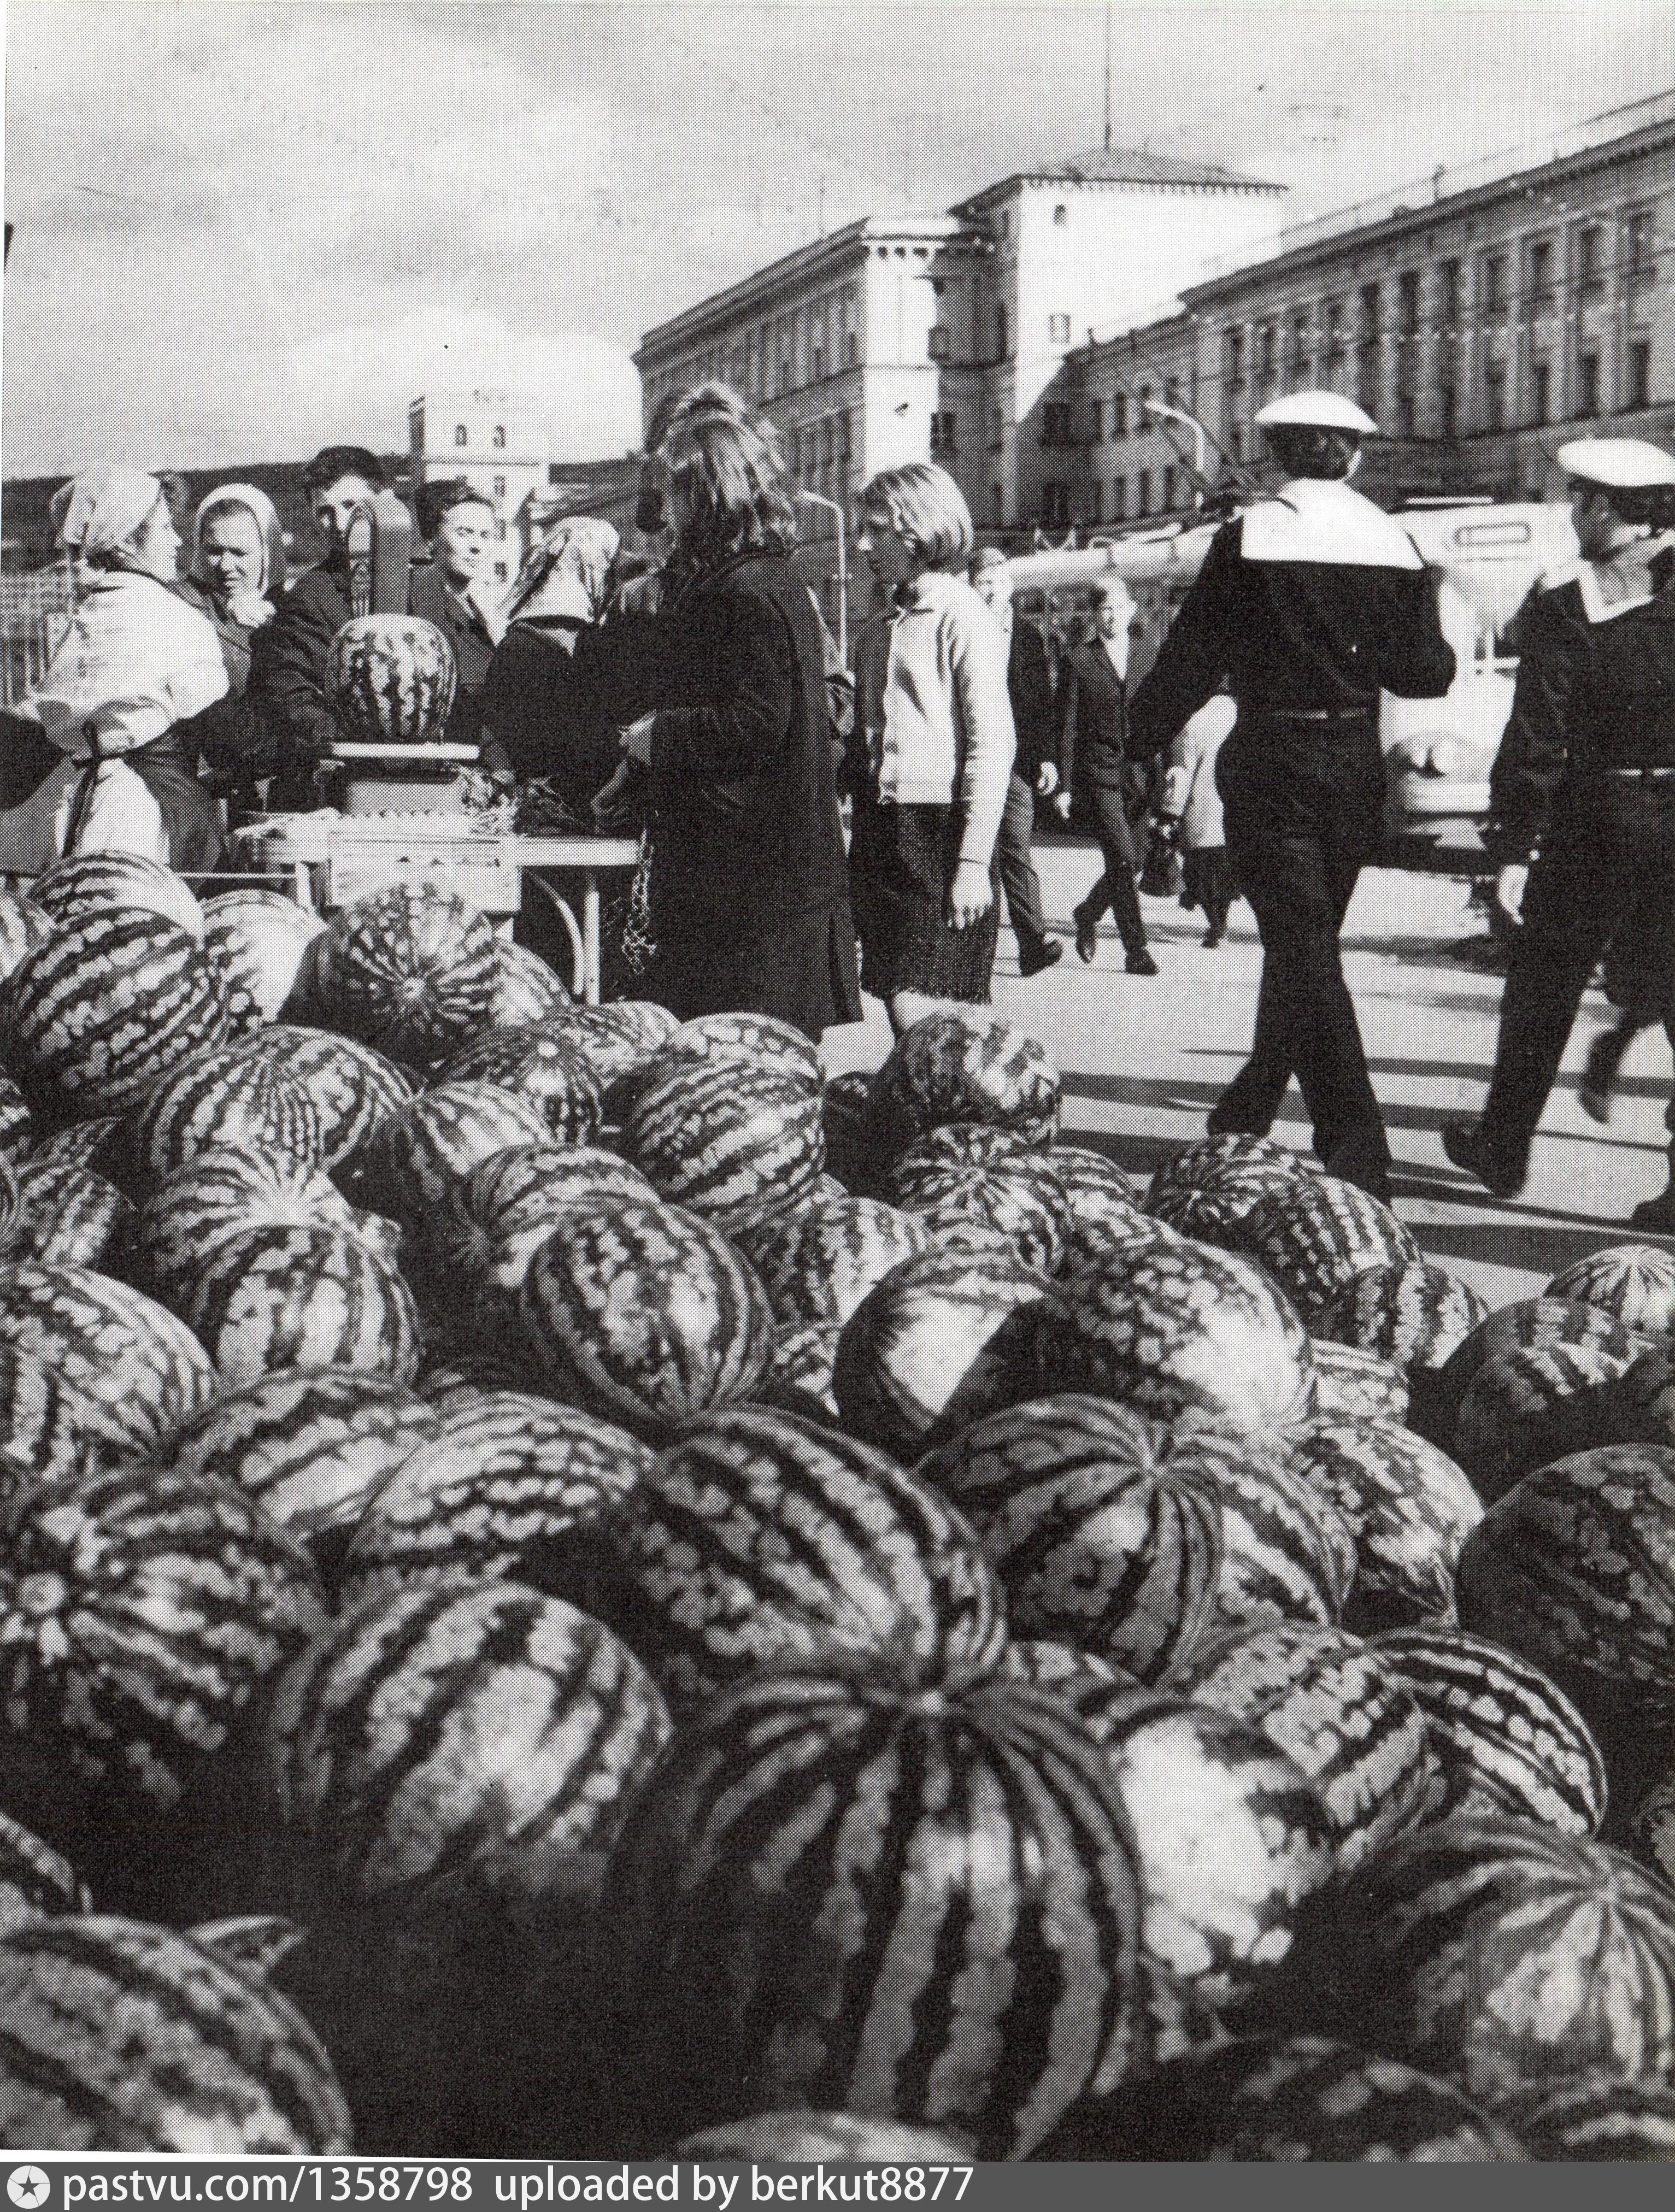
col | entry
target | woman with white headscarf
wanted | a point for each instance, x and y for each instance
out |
(235, 575)
(134, 664)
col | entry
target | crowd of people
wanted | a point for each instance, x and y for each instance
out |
(691, 685)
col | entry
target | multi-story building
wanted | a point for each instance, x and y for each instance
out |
(498, 442)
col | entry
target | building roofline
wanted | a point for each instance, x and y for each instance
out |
(934, 229)
(1193, 177)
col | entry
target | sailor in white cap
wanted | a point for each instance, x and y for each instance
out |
(1308, 606)
(1582, 798)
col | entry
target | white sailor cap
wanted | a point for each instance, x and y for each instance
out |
(1316, 410)
(1618, 464)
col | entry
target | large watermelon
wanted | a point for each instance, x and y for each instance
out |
(68, 1217)
(1350, 1384)
(756, 1039)
(276, 1298)
(526, 989)
(1104, 1527)
(457, 1725)
(186, 1219)
(250, 1101)
(23, 926)
(354, 1089)
(390, 680)
(1528, 1325)
(1409, 1507)
(817, 1262)
(758, 1541)
(50, 1432)
(1209, 1188)
(971, 1174)
(904, 1904)
(962, 1066)
(1633, 1283)
(726, 1139)
(1287, 1551)
(110, 1003)
(646, 1315)
(97, 883)
(435, 1140)
(543, 1071)
(486, 1228)
(1409, 1311)
(410, 969)
(1592, 2116)
(1531, 1406)
(1316, 1237)
(143, 1368)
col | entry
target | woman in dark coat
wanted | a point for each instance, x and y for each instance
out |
(235, 577)
(749, 905)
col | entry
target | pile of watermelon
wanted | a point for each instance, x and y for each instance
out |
(569, 1586)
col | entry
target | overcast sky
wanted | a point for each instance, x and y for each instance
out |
(243, 228)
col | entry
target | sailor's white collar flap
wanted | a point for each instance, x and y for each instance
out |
(1595, 605)
(1308, 521)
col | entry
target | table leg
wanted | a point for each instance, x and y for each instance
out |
(590, 939)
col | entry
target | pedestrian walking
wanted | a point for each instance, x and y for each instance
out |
(931, 753)
(1096, 768)
(1192, 812)
(1307, 605)
(1029, 685)
(1582, 803)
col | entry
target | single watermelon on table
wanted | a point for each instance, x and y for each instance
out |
(390, 679)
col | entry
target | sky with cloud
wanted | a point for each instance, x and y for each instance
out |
(244, 228)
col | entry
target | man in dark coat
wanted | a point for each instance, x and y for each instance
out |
(1307, 605)
(1583, 800)
(456, 522)
(1030, 685)
(1095, 769)
(287, 688)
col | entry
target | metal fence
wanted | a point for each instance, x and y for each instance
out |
(34, 612)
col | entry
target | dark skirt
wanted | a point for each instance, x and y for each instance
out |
(804, 973)
(902, 862)
(1207, 878)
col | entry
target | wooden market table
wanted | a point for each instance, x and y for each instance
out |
(333, 858)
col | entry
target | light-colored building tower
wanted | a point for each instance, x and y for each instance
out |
(498, 442)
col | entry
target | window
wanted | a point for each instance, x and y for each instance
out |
(1061, 216)
(938, 342)
(1096, 501)
(1587, 384)
(1297, 373)
(1448, 285)
(1265, 352)
(1058, 424)
(1638, 234)
(1335, 351)
(1235, 361)
(1058, 330)
(1638, 381)
(1119, 415)
(500, 487)
(1590, 260)
(942, 431)
(1001, 348)
(500, 437)
(1494, 395)
(1541, 275)
(1119, 498)
(845, 448)
(1096, 419)
(1541, 392)
(1367, 374)
(1370, 311)
(1143, 401)
(1142, 492)
(1407, 302)
(458, 434)
(1447, 411)
(1167, 501)
(1494, 288)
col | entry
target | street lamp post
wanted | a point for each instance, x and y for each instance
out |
(818, 499)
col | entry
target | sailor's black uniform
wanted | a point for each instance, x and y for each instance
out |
(1308, 606)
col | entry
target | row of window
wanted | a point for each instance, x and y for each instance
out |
(783, 355)
(496, 436)
(818, 454)
(1172, 487)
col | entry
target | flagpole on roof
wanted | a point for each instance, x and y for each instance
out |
(1107, 75)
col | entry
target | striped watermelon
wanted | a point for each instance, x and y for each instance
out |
(435, 1140)
(140, 1612)
(489, 1225)
(1316, 1238)
(616, 1040)
(1637, 1408)
(527, 990)
(492, 1491)
(1504, 1738)
(759, 1540)
(962, 1066)
(246, 1100)
(68, 1217)
(311, 1446)
(1103, 1226)
(107, 1005)
(35, 1882)
(97, 883)
(188, 1218)
(942, 1340)
(1408, 1508)
(448, 1381)
(454, 1726)
(543, 1070)
(799, 1379)
(1288, 1551)
(1173, 1328)
(849, 1895)
(1528, 1408)
(758, 1039)
(1333, 1707)
(262, 937)
(849, 1151)
(354, 1089)
(1651, 1831)
(51, 1432)
(645, 1314)
(818, 1263)
(1082, 1171)
(1207, 1189)
(968, 1172)
(410, 969)
(1288, 2097)
(726, 1139)
(1502, 1954)
(1048, 1666)
(1529, 1324)
(1593, 2116)
(1231, 1841)
(390, 680)
(100, 1144)
(276, 1297)
(835, 2138)
(1410, 1312)
(143, 1368)
(121, 2037)
(23, 926)
(1575, 1570)
(1633, 1283)
(17, 1123)
(1350, 1384)
(1104, 1527)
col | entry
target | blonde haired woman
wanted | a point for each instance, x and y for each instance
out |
(933, 751)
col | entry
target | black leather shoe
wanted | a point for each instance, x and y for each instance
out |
(1141, 962)
(1463, 1142)
(1047, 954)
(1088, 935)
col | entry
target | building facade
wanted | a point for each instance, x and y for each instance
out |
(498, 441)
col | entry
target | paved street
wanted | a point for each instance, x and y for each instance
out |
(1144, 1061)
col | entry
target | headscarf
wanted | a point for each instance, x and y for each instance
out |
(265, 516)
(97, 513)
(568, 571)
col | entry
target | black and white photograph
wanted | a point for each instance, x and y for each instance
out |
(836, 1095)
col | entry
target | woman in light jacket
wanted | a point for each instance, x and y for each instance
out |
(931, 754)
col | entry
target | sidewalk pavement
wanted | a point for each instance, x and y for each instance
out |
(1144, 1061)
